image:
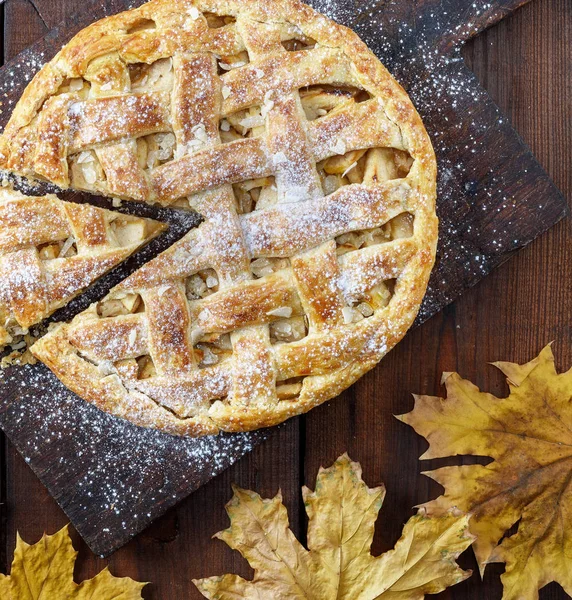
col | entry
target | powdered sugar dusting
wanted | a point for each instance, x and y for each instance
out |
(120, 471)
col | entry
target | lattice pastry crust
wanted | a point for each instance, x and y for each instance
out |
(50, 250)
(316, 181)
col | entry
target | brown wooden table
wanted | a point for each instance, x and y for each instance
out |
(526, 65)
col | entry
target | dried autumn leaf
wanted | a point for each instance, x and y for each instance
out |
(529, 436)
(44, 571)
(342, 513)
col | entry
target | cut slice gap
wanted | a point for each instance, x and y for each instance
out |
(369, 166)
(67, 295)
(255, 194)
(247, 123)
(263, 266)
(232, 61)
(215, 21)
(155, 76)
(145, 367)
(401, 226)
(125, 304)
(320, 100)
(213, 349)
(288, 389)
(300, 42)
(288, 330)
(201, 284)
(141, 25)
(60, 249)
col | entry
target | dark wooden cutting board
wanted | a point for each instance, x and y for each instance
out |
(111, 478)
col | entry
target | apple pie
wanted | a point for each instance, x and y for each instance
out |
(50, 250)
(315, 180)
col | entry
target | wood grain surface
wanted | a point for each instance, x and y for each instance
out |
(525, 63)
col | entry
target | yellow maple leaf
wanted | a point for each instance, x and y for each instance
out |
(44, 571)
(342, 514)
(529, 436)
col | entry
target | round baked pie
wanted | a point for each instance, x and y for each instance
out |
(314, 176)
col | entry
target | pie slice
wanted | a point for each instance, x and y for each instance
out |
(314, 176)
(50, 250)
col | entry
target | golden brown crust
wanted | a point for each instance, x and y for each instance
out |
(321, 310)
